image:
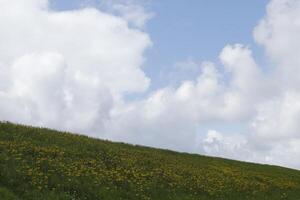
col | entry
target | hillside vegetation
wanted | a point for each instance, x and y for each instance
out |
(44, 164)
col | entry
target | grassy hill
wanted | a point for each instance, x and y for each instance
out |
(45, 164)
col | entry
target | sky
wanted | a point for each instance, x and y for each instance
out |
(208, 77)
(191, 31)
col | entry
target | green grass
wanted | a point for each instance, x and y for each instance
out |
(6, 194)
(44, 164)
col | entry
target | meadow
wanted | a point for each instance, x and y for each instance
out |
(44, 164)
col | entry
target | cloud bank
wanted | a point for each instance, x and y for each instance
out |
(66, 69)
(71, 70)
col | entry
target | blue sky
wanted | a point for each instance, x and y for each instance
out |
(197, 30)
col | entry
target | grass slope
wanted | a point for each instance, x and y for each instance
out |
(44, 164)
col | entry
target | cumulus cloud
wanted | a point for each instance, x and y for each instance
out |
(230, 146)
(70, 70)
(134, 14)
(66, 69)
(170, 117)
(266, 101)
(273, 134)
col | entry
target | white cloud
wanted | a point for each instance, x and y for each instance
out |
(266, 101)
(134, 14)
(278, 32)
(70, 70)
(279, 118)
(170, 117)
(232, 146)
(273, 136)
(66, 69)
